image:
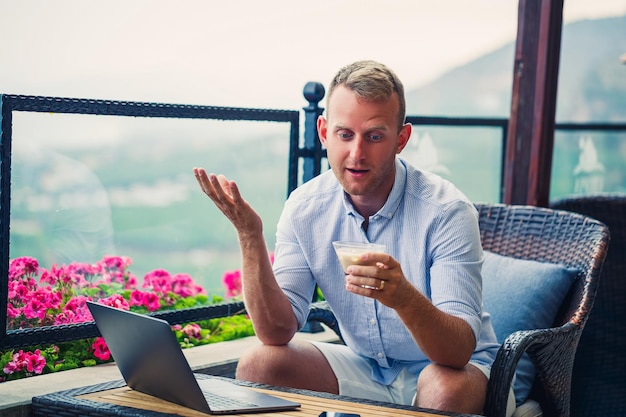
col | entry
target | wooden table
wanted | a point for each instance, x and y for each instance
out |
(116, 399)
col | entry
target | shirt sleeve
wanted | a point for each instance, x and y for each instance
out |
(456, 260)
(291, 267)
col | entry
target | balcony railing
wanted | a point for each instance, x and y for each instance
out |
(306, 158)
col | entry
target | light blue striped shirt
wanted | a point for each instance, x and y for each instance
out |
(427, 224)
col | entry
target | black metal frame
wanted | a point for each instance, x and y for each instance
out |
(12, 103)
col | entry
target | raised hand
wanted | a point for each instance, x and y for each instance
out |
(225, 194)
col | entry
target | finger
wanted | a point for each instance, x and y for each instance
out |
(203, 180)
(230, 188)
(381, 265)
(234, 192)
(369, 287)
(377, 284)
(224, 184)
(366, 281)
(220, 188)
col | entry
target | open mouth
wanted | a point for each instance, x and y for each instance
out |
(357, 171)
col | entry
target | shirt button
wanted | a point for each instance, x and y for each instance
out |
(372, 321)
(380, 355)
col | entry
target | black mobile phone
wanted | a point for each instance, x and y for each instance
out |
(337, 414)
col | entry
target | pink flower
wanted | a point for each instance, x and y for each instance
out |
(18, 291)
(117, 301)
(77, 304)
(65, 317)
(116, 262)
(192, 330)
(131, 281)
(232, 282)
(100, 349)
(35, 362)
(75, 311)
(151, 301)
(136, 298)
(13, 312)
(158, 280)
(21, 267)
(48, 277)
(29, 361)
(183, 285)
(35, 309)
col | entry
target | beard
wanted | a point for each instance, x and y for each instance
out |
(373, 181)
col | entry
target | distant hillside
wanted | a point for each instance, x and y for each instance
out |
(592, 81)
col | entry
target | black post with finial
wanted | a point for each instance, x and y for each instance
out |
(312, 151)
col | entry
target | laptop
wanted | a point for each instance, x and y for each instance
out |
(151, 361)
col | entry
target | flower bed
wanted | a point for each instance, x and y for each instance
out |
(44, 297)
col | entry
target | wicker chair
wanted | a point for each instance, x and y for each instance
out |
(543, 235)
(599, 382)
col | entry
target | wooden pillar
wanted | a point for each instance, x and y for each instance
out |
(533, 105)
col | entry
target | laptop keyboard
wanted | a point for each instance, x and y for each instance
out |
(220, 402)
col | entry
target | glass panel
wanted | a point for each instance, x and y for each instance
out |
(588, 163)
(468, 157)
(85, 186)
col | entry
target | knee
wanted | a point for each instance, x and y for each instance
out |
(260, 364)
(443, 388)
(433, 388)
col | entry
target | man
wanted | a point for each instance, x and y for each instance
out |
(411, 318)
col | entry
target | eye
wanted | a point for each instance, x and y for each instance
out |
(344, 134)
(375, 137)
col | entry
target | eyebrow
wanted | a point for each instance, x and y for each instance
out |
(370, 129)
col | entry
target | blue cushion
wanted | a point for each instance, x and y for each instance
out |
(523, 295)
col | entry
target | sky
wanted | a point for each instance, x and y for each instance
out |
(243, 53)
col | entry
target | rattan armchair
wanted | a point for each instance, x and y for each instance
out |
(599, 381)
(543, 235)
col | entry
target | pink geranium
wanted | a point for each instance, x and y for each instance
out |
(58, 296)
(192, 330)
(183, 285)
(75, 311)
(117, 301)
(100, 349)
(232, 282)
(159, 281)
(151, 301)
(35, 362)
(32, 362)
(20, 268)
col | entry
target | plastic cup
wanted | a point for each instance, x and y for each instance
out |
(349, 253)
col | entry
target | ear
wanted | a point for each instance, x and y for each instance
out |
(404, 136)
(322, 129)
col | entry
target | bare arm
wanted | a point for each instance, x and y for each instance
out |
(443, 338)
(267, 305)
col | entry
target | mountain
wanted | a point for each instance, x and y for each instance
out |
(592, 80)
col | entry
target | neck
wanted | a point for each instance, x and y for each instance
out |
(365, 207)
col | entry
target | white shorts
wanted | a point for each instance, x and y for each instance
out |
(354, 376)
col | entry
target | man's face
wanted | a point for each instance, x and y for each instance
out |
(362, 139)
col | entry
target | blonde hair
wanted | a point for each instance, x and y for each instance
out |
(371, 81)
